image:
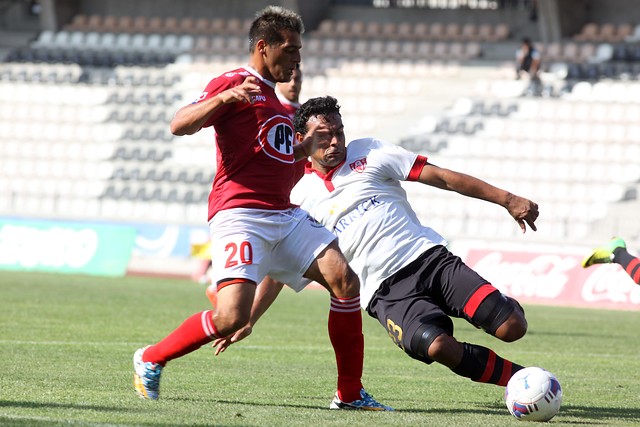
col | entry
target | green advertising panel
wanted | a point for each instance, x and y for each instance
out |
(61, 247)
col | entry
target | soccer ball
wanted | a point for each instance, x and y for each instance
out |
(533, 394)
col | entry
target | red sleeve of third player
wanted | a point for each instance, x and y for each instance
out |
(414, 174)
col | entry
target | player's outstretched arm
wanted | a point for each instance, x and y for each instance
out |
(190, 118)
(524, 211)
(266, 293)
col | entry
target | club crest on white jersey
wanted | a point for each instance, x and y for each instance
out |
(359, 165)
(276, 138)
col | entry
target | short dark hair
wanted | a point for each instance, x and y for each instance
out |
(269, 24)
(321, 106)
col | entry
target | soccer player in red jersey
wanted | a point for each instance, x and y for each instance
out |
(289, 95)
(255, 230)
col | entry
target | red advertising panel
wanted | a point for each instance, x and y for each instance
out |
(552, 277)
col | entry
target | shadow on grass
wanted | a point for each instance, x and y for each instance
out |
(594, 414)
(590, 414)
(35, 405)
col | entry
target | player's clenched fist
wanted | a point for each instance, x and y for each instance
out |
(241, 93)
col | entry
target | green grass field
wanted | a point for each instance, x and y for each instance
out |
(66, 344)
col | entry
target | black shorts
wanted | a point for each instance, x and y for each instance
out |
(436, 284)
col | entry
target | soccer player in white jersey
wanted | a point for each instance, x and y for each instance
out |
(409, 281)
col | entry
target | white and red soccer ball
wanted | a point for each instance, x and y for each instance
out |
(533, 394)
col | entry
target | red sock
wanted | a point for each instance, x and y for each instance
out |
(345, 333)
(194, 332)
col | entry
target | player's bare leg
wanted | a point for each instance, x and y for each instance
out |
(235, 298)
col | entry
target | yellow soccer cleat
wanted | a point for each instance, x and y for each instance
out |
(603, 254)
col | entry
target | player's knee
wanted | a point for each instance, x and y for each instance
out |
(430, 341)
(512, 329)
(442, 348)
(334, 273)
(497, 314)
(345, 284)
(227, 323)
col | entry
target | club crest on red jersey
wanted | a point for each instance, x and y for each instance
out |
(359, 165)
(276, 138)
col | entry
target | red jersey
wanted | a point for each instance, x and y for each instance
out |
(255, 161)
(291, 108)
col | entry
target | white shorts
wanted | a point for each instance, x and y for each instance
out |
(253, 243)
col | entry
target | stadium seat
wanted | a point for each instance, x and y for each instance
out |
(109, 40)
(129, 24)
(420, 31)
(202, 26)
(404, 31)
(341, 28)
(109, 23)
(485, 32)
(603, 53)
(45, 39)
(155, 25)
(634, 36)
(373, 30)
(154, 42)
(79, 22)
(588, 33)
(608, 33)
(469, 32)
(436, 31)
(501, 32)
(389, 30)
(218, 26)
(234, 27)
(185, 43)
(186, 25)
(440, 50)
(344, 48)
(623, 31)
(325, 28)
(94, 23)
(452, 32)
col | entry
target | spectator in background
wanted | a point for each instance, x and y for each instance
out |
(528, 62)
(615, 252)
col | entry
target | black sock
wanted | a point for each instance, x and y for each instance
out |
(483, 365)
(630, 263)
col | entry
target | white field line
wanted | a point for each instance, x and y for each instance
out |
(241, 347)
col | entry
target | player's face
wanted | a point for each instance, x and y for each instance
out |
(282, 59)
(291, 89)
(330, 141)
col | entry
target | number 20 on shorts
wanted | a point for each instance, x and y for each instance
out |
(238, 254)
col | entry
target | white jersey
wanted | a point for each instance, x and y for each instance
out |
(362, 202)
